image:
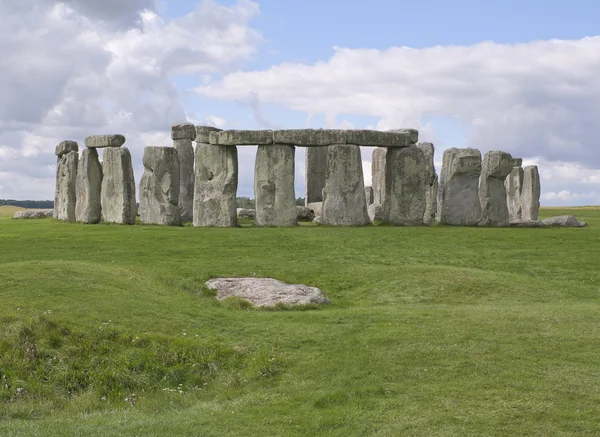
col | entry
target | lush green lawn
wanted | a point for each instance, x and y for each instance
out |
(433, 331)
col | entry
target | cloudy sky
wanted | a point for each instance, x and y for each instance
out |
(509, 75)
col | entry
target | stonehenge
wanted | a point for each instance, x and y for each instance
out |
(159, 187)
(181, 184)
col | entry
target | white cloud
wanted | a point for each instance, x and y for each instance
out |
(566, 195)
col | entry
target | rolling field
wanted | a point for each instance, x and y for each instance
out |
(107, 330)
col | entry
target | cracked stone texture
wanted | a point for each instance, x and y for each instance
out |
(65, 195)
(89, 188)
(118, 187)
(432, 183)
(530, 193)
(496, 166)
(185, 153)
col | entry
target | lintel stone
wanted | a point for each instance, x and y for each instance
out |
(183, 131)
(310, 137)
(364, 137)
(65, 147)
(203, 133)
(242, 137)
(101, 141)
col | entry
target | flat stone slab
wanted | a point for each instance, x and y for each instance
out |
(65, 147)
(266, 292)
(33, 214)
(101, 141)
(565, 221)
(519, 223)
(309, 137)
(364, 137)
(414, 134)
(183, 131)
(203, 133)
(242, 137)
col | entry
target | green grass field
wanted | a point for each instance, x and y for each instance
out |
(436, 331)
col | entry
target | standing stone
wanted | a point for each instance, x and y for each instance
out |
(406, 183)
(182, 136)
(513, 186)
(118, 187)
(89, 187)
(216, 185)
(369, 195)
(378, 175)
(496, 167)
(458, 194)
(159, 187)
(432, 183)
(65, 196)
(316, 167)
(344, 202)
(274, 186)
(530, 194)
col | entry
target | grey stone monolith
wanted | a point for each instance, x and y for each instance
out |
(104, 141)
(378, 175)
(432, 183)
(530, 193)
(344, 202)
(274, 186)
(215, 186)
(159, 187)
(316, 167)
(369, 195)
(118, 187)
(513, 186)
(65, 196)
(406, 183)
(458, 192)
(182, 136)
(89, 188)
(495, 168)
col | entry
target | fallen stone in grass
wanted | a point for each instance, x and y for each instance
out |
(519, 223)
(564, 220)
(266, 292)
(33, 214)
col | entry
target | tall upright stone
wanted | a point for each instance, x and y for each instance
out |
(369, 195)
(513, 184)
(274, 186)
(344, 202)
(378, 175)
(216, 186)
(432, 183)
(89, 188)
(316, 168)
(159, 187)
(495, 168)
(406, 183)
(118, 187)
(458, 193)
(182, 135)
(530, 194)
(65, 196)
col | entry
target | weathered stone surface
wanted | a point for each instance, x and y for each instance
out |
(526, 224)
(432, 183)
(369, 195)
(458, 194)
(65, 147)
(101, 141)
(304, 213)
(185, 154)
(413, 133)
(66, 180)
(241, 137)
(274, 186)
(309, 137)
(266, 292)
(118, 187)
(396, 138)
(88, 188)
(375, 212)
(316, 167)
(564, 220)
(513, 186)
(405, 186)
(378, 175)
(246, 213)
(495, 168)
(316, 208)
(216, 186)
(203, 133)
(517, 162)
(159, 187)
(530, 193)
(183, 131)
(33, 214)
(317, 219)
(344, 202)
